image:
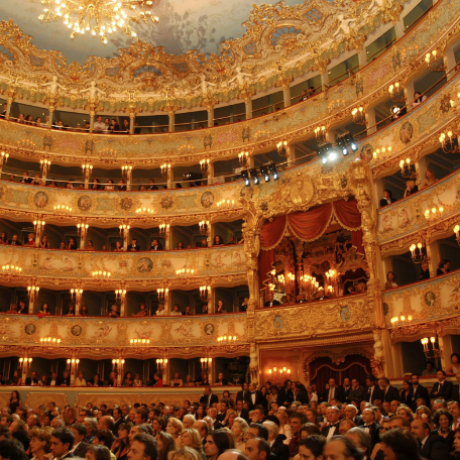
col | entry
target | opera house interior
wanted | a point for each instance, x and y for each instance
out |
(230, 210)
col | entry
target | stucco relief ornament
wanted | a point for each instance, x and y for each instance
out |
(93, 91)
(379, 358)
(204, 85)
(54, 86)
(239, 77)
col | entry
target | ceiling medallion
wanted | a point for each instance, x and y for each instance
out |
(99, 17)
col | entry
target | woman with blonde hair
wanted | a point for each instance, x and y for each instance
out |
(239, 429)
(191, 438)
(186, 453)
(39, 444)
(405, 412)
(175, 428)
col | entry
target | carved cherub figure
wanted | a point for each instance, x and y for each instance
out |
(204, 85)
(93, 91)
(239, 77)
(54, 86)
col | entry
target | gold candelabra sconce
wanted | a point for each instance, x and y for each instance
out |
(62, 209)
(320, 134)
(164, 229)
(162, 293)
(408, 170)
(433, 62)
(243, 158)
(205, 364)
(359, 115)
(401, 320)
(72, 363)
(418, 253)
(162, 364)
(227, 339)
(225, 204)
(126, 171)
(205, 227)
(336, 104)
(26, 144)
(108, 154)
(204, 292)
(11, 270)
(457, 233)
(3, 159)
(145, 211)
(124, 231)
(309, 285)
(383, 150)
(24, 364)
(118, 364)
(431, 348)
(449, 142)
(32, 292)
(39, 225)
(396, 91)
(331, 277)
(434, 213)
(45, 166)
(75, 295)
(120, 295)
(87, 169)
(185, 272)
(50, 340)
(204, 165)
(101, 275)
(165, 169)
(282, 148)
(82, 229)
(139, 341)
(279, 371)
(455, 104)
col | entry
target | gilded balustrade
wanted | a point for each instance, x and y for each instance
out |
(367, 87)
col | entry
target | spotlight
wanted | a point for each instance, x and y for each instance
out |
(323, 152)
(265, 173)
(349, 140)
(272, 168)
(255, 177)
(343, 146)
(245, 176)
(332, 156)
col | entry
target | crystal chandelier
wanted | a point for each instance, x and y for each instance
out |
(98, 17)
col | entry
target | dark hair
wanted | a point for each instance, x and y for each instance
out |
(12, 450)
(389, 193)
(150, 445)
(311, 428)
(4, 430)
(315, 444)
(299, 416)
(350, 450)
(443, 262)
(393, 273)
(437, 416)
(222, 440)
(64, 435)
(105, 437)
(169, 445)
(455, 354)
(100, 452)
(79, 428)
(442, 370)
(144, 413)
(262, 431)
(402, 443)
(263, 446)
(145, 428)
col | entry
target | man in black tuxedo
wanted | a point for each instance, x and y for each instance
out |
(333, 419)
(432, 445)
(61, 443)
(221, 415)
(346, 388)
(32, 380)
(256, 398)
(390, 393)
(387, 198)
(271, 302)
(208, 398)
(64, 381)
(373, 391)
(15, 241)
(79, 447)
(244, 395)
(370, 426)
(417, 391)
(133, 247)
(454, 409)
(334, 392)
(351, 413)
(241, 412)
(156, 246)
(442, 389)
(118, 418)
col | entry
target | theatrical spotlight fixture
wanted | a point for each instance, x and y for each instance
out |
(254, 176)
(273, 171)
(245, 176)
(265, 173)
(327, 153)
(349, 142)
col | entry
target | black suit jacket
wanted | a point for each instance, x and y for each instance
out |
(435, 448)
(244, 396)
(15, 243)
(339, 395)
(325, 430)
(301, 396)
(421, 392)
(392, 394)
(117, 425)
(384, 202)
(80, 451)
(373, 431)
(130, 248)
(259, 399)
(29, 381)
(63, 381)
(158, 247)
(244, 414)
(209, 402)
(445, 392)
(456, 393)
(376, 394)
(280, 449)
(274, 303)
(358, 420)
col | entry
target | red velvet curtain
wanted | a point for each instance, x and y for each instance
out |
(272, 232)
(266, 260)
(310, 225)
(348, 214)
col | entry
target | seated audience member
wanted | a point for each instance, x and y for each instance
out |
(444, 267)
(133, 247)
(118, 247)
(418, 99)
(156, 245)
(142, 310)
(176, 311)
(161, 310)
(30, 240)
(113, 313)
(424, 271)
(387, 198)
(391, 281)
(44, 244)
(90, 246)
(430, 179)
(217, 241)
(411, 188)
(271, 302)
(429, 370)
(220, 307)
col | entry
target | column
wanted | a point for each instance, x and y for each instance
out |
(286, 95)
(421, 166)
(210, 173)
(248, 107)
(396, 355)
(434, 257)
(450, 62)
(9, 102)
(168, 303)
(32, 299)
(92, 114)
(172, 120)
(371, 121)
(51, 109)
(399, 29)
(210, 110)
(446, 347)
(290, 154)
(122, 305)
(409, 91)
(170, 178)
(362, 57)
(166, 375)
(168, 241)
(211, 376)
(38, 235)
(212, 301)
(83, 235)
(325, 80)
(132, 119)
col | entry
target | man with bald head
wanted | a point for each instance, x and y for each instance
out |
(202, 428)
(232, 454)
(333, 419)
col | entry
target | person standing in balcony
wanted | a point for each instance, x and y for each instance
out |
(99, 126)
(133, 247)
(387, 198)
(391, 281)
(220, 308)
(429, 180)
(444, 267)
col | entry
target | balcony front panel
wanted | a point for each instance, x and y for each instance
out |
(146, 267)
(399, 224)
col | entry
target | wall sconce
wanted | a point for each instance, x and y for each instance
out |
(161, 365)
(226, 339)
(139, 341)
(75, 294)
(145, 211)
(45, 167)
(27, 144)
(162, 293)
(165, 169)
(449, 142)
(271, 286)
(126, 171)
(50, 340)
(359, 115)
(204, 292)
(204, 227)
(400, 319)
(82, 229)
(100, 275)
(117, 364)
(383, 151)
(87, 170)
(320, 134)
(336, 104)
(225, 204)
(434, 213)
(39, 225)
(124, 230)
(185, 272)
(396, 92)
(457, 233)
(32, 292)
(11, 270)
(205, 364)
(3, 159)
(62, 209)
(277, 371)
(282, 148)
(418, 253)
(204, 165)
(433, 62)
(73, 361)
(433, 351)
(243, 158)
(408, 170)
(164, 229)
(120, 295)
(291, 276)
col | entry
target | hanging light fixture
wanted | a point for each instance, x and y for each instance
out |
(204, 165)
(433, 62)
(359, 115)
(320, 133)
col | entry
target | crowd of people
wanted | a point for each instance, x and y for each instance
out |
(285, 422)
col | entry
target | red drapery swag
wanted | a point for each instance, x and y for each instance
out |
(308, 226)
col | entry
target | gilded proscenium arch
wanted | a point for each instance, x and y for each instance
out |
(374, 92)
